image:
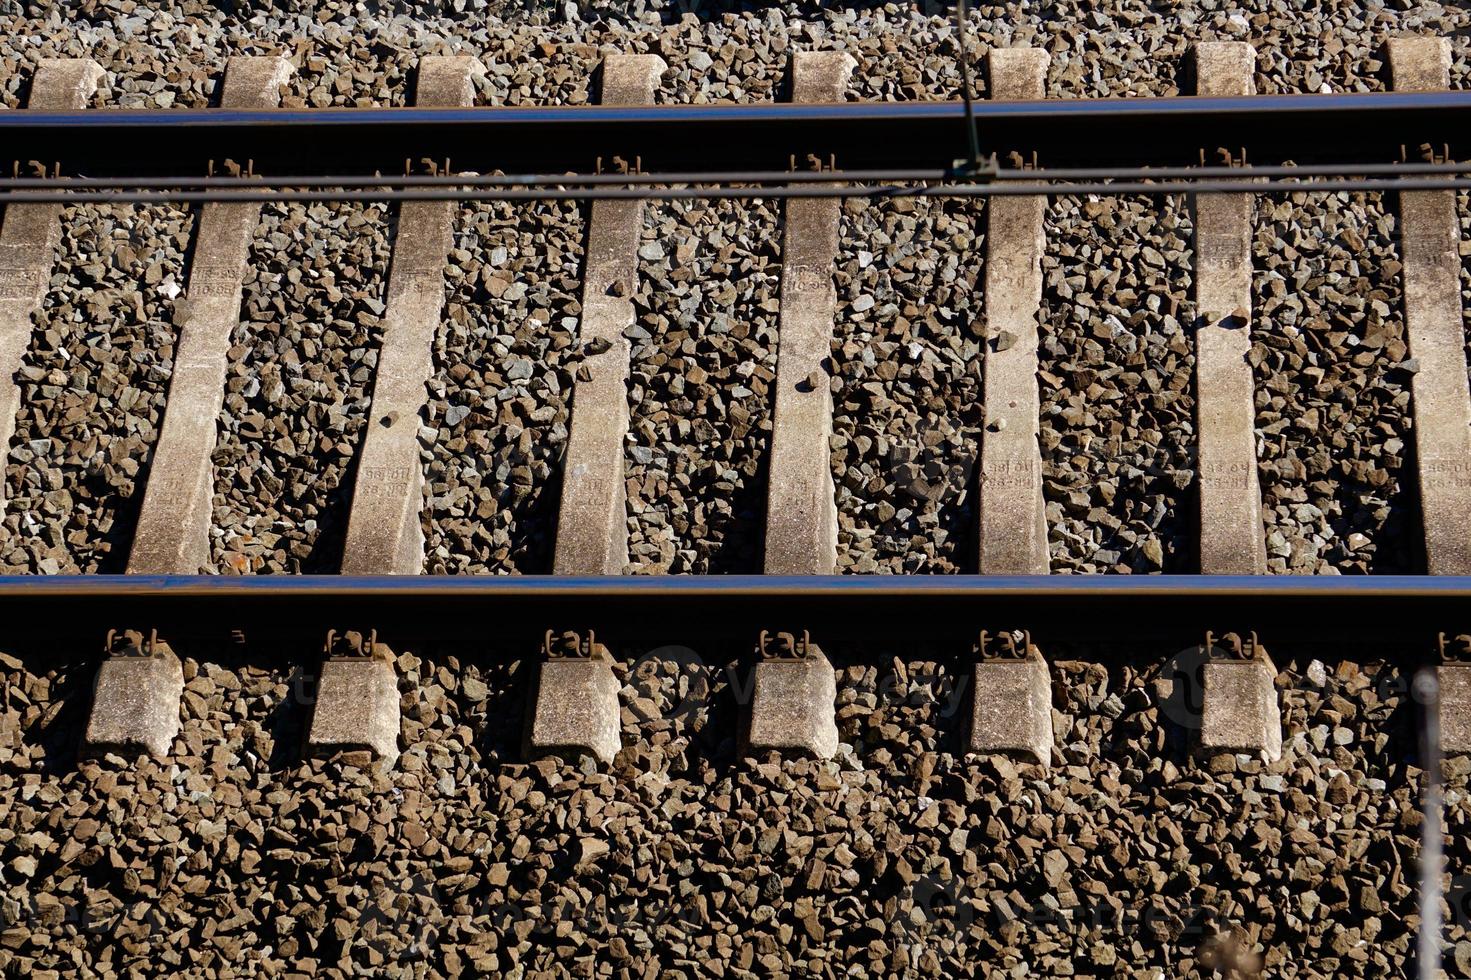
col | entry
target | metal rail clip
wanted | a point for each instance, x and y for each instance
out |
(813, 163)
(1427, 153)
(1224, 157)
(35, 168)
(428, 165)
(783, 646)
(1005, 645)
(619, 165)
(231, 168)
(349, 645)
(572, 645)
(1454, 649)
(131, 643)
(1232, 648)
(1018, 161)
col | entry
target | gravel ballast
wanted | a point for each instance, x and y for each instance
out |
(897, 858)
(298, 387)
(1116, 370)
(1333, 388)
(908, 409)
(92, 390)
(703, 362)
(505, 363)
(697, 505)
(900, 857)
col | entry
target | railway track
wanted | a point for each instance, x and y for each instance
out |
(786, 630)
(659, 147)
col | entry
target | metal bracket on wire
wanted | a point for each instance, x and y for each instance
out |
(979, 172)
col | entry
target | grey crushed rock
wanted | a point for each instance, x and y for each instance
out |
(1117, 382)
(92, 389)
(703, 360)
(1333, 397)
(895, 858)
(505, 363)
(298, 387)
(908, 405)
(898, 858)
(174, 56)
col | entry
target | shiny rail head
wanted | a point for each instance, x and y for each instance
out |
(1303, 128)
(1125, 609)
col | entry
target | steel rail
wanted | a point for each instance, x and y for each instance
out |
(1377, 126)
(84, 183)
(1112, 608)
(501, 180)
(826, 190)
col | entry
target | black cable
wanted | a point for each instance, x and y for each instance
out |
(849, 177)
(962, 25)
